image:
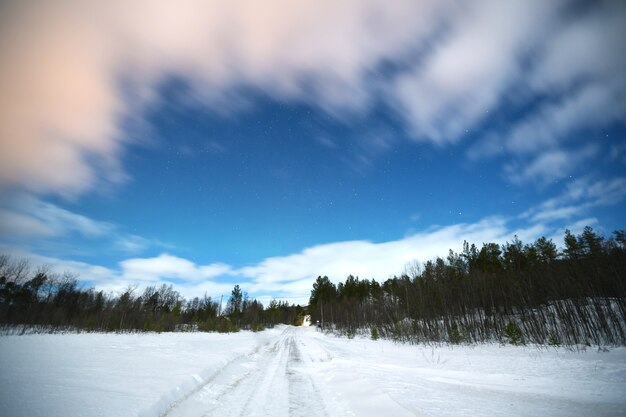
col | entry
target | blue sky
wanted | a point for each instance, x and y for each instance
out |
(207, 144)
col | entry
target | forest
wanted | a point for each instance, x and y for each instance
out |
(48, 301)
(513, 293)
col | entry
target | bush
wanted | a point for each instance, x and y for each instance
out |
(454, 335)
(374, 333)
(513, 333)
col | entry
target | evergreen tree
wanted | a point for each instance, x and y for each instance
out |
(573, 247)
(323, 295)
(546, 250)
(591, 243)
(235, 302)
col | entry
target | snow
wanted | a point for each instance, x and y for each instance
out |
(111, 374)
(290, 371)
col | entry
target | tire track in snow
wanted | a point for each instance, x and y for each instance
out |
(304, 396)
(158, 409)
(232, 392)
(268, 383)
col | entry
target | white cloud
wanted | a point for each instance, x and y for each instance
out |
(579, 66)
(556, 214)
(18, 224)
(58, 108)
(64, 62)
(469, 68)
(132, 243)
(578, 197)
(28, 216)
(595, 105)
(65, 221)
(549, 166)
(25, 218)
(607, 192)
(167, 266)
(584, 47)
(602, 192)
(372, 260)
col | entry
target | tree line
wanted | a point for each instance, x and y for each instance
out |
(39, 297)
(513, 293)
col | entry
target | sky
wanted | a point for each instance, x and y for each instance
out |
(206, 144)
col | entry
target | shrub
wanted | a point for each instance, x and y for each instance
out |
(513, 333)
(454, 335)
(374, 333)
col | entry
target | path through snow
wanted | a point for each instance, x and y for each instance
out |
(269, 382)
(305, 373)
(282, 379)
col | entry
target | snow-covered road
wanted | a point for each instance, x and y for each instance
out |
(304, 373)
(289, 371)
(268, 382)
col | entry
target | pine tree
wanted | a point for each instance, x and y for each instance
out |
(573, 248)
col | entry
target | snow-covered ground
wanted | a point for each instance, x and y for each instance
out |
(291, 371)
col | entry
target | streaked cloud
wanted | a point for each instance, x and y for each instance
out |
(64, 64)
(74, 71)
(18, 224)
(603, 192)
(549, 166)
(132, 243)
(548, 215)
(465, 73)
(579, 67)
(577, 198)
(28, 216)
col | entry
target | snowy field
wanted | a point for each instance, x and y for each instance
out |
(291, 371)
